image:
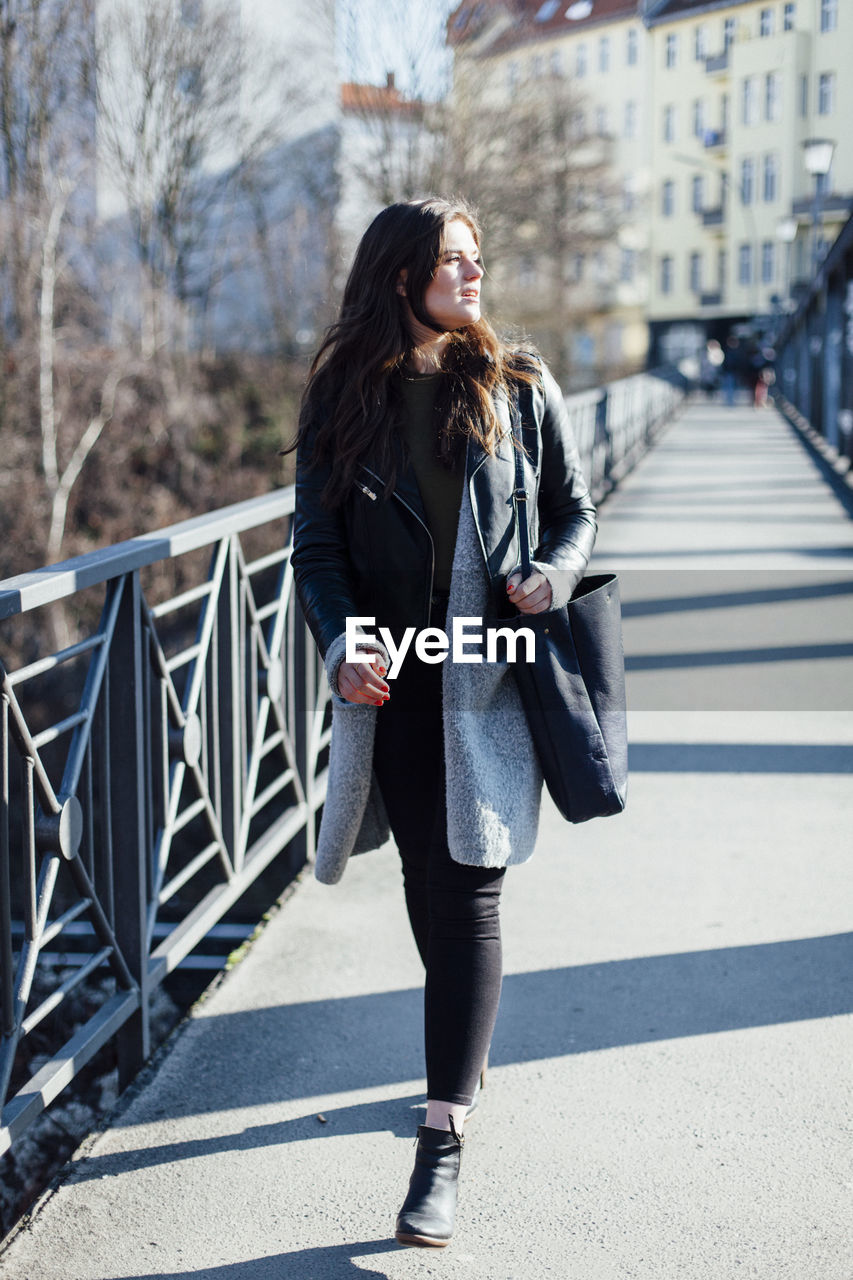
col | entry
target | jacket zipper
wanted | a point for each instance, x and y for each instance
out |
(381, 484)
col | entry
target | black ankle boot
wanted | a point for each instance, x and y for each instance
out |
(429, 1210)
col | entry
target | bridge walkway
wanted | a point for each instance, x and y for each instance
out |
(670, 1074)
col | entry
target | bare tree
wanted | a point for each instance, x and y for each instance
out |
(397, 66)
(546, 192)
(46, 136)
(189, 105)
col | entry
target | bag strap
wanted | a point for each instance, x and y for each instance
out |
(519, 493)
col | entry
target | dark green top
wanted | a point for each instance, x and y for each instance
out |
(441, 487)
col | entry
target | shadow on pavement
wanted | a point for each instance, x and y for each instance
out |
(336, 1046)
(330, 1263)
(739, 757)
(731, 657)
(729, 598)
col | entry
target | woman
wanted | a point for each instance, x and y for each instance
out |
(404, 515)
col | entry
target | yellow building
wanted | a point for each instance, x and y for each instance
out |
(706, 106)
(594, 56)
(737, 88)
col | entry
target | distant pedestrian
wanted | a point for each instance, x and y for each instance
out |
(733, 362)
(709, 368)
(764, 376)
(404, 515)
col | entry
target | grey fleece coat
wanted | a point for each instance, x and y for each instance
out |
(494, 782)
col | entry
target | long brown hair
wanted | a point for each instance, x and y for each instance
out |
(350, 400)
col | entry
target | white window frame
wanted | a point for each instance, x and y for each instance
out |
(669, 123)
(695, 271)
(667, 274)
(826, 93)
(770, 178)
(745, 263)
(768, 262)
(746, 184)
(670, 56)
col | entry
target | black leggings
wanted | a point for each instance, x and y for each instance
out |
(454, 909)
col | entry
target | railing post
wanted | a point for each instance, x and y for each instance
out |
(228, 688)
(602, 438)
(302, 846)
(128, 713)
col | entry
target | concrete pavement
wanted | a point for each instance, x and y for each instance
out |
(670, 1089)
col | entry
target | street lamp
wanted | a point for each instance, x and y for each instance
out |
(786, 231)
(817, 154)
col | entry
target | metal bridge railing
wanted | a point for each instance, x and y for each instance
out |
(151, 770)
(188, 761)
(814, 351)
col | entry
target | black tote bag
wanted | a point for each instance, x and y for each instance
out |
(573, 692)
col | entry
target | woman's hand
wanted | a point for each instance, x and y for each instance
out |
(362, 682)
(533, 595)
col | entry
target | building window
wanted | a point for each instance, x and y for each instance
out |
(765, 22)
(724, 114)
(631, 48)
(671, 50)
(601, 121)
(513, 75)
(749, 100)
(666, 275)
(773, 95)
(826, 93)
(771, 178)
(190, 81)
(630, 119)
(191, 12)
(556, 62)
(729, 31)
(789, 16)
(747, 180)
(700, 43)
(722, 268)
(695, 272)
(744, 264)
(804, 96)
(604, 53)
(667, 198)
(698, 118)
(627, 266)
(581, 61)
(768, 262)
(669, 124)
(828, 15)
(824, 183)
(537, 67)
(629, 196)
(579, 263)
(578, 124)
(697, 193)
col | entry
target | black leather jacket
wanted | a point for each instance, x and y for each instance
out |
(374, 557)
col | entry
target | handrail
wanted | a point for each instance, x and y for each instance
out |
(184, 751)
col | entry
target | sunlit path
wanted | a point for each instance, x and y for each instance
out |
(670, 1073)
